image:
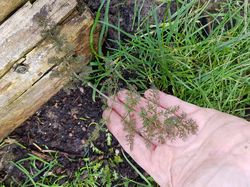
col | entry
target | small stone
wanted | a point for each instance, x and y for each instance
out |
(55, 125)
(51, 115)
(75, 116)
(81, 90)
(56, 105)
(58, 171)
(117, 152)
(74, 111)
(100, 157)
(84, 129)
(83, 141)
(70, 134)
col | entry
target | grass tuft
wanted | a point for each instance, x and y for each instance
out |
(198, 55)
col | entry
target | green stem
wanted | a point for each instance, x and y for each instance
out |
(98, 91)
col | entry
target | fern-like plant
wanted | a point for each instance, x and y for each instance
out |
(158, 124)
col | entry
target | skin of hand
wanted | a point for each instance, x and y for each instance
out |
(217, 155)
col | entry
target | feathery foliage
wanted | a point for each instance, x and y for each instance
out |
(159, 124)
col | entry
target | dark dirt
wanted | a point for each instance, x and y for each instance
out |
(122, 12)
(63, 124)
(58, 124)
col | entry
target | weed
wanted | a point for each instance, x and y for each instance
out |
(37, 168)
(129, 121)
(159, 124)
(42, 173)
(166, 124)
(147, 180)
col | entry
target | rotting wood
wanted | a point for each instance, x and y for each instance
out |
(7, 6)
(21, 32)
(36, 62)
(22, 94)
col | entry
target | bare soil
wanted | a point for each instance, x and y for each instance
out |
(63, 125)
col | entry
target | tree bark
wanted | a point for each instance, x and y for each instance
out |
(22, 93)
(7, 6)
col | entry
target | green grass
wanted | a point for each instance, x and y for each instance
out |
(41, 172)
(179, 57)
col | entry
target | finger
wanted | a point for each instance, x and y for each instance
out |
(122, 110)
(125, 111)
(166, 101)
(140, 152)
(116, 105)
(124, 97)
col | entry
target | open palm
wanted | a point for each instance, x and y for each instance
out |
(218, 155)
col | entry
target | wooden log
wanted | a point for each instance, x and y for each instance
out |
(21, 32)
(7, 6)
(23, 92)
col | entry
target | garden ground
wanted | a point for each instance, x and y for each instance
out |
(198, 55)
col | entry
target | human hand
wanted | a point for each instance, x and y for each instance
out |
(218, 155)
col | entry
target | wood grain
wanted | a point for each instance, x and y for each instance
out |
(7, 6)
(21, 32)
(22, 94)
